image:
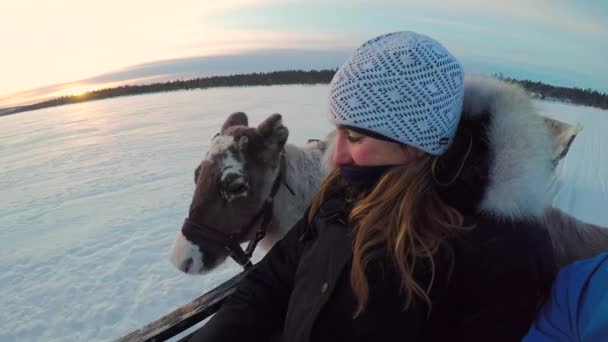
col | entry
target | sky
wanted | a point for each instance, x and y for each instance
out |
(67, 45)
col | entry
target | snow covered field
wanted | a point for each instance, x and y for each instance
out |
(583, 174)
(92, 196)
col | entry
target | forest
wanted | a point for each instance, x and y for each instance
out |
(588, 97)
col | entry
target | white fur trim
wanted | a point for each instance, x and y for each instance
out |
(520, 174)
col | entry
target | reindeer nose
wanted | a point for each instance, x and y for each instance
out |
(187, 264)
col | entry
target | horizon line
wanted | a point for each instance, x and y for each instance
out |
(4, 111)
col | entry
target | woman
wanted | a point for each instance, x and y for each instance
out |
(426, 230)
(577, 309)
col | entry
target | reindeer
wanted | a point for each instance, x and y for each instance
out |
(252, 187)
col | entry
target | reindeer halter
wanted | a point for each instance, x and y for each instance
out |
(230, 242)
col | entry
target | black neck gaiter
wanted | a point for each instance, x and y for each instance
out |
(363, 178)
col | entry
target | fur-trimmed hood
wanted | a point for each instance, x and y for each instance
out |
(507, 171)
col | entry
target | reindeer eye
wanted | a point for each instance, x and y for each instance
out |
(235, 184)
(237, 188)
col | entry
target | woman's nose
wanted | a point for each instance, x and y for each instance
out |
(341, 150)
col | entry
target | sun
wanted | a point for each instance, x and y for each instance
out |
(78, 90)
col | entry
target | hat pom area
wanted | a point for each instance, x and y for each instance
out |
(402, 85)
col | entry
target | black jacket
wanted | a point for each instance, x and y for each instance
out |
(490, 280)
(501, 273)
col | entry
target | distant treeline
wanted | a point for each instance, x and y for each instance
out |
(587, 97)
(255, 79)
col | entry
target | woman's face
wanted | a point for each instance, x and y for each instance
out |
(353, 148)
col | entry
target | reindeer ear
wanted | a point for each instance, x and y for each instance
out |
(273, 131)
(235, 119)
(562, 136)
(197, 171)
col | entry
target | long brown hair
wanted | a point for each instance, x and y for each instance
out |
(403, 216)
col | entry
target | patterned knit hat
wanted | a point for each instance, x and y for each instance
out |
(404, 86)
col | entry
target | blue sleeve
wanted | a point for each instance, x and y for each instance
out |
(577, 309)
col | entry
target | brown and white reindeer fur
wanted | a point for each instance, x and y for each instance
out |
(522, 151)
(235, 179)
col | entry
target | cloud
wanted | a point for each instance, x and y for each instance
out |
(231, 41)
(187, 68)
(560, 15)
(67, 40)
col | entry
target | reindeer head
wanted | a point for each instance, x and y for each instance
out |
(232, 183)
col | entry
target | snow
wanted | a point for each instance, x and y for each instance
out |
(583, 173)
(94, 194)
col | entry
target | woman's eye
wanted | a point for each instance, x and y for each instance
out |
(353, 137)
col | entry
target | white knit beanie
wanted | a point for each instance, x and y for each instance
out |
(404, 86)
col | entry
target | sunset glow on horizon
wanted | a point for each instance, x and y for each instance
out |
(59, 42)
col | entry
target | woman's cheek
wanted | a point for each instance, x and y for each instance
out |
(364, 156)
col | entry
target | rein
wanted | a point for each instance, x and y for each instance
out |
(230, 242)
